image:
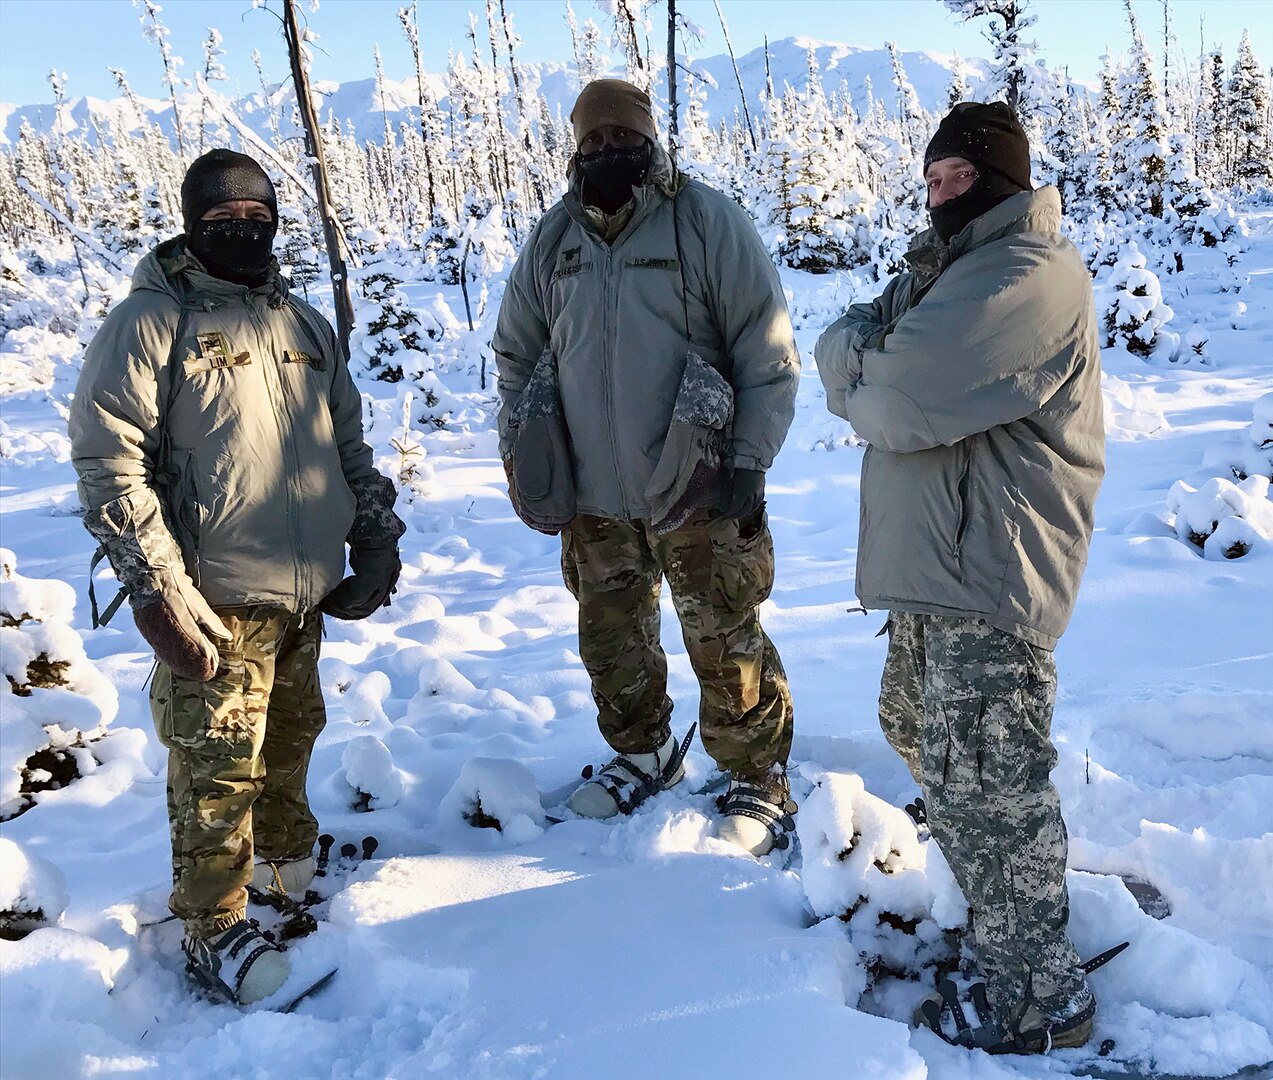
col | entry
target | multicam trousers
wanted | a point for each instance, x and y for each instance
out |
(969, 708)
(238, 753)
(720, 571)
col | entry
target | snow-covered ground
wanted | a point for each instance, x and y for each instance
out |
(645, 947)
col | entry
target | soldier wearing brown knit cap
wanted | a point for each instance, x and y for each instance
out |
(645, 326)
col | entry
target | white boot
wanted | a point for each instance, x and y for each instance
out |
(293, 876)
(756, 814)
(627, 781)
(747, 833)
(240, 964)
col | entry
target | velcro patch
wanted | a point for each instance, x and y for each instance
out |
(567, 271)
(295, 356)
(214, 352)
(655, 264)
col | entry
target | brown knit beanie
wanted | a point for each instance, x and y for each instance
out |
(614, 102)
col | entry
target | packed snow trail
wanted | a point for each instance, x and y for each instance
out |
(539, 951)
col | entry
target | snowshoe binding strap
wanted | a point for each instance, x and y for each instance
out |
(1030, 1032)
(237, 948)
(629, 785)
(770, 804)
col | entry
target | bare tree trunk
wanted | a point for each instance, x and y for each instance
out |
(537, 184)
(495, 101)
(673, 129)
(336, 256)
(751, 134)
(411, 28)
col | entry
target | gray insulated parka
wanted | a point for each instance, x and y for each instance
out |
(976, 380)
(614, 318)
(263, 430)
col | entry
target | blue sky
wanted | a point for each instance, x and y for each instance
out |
(83, 37)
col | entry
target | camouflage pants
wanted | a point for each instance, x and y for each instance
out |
(720, 571)
(969, 708)
(238, 754)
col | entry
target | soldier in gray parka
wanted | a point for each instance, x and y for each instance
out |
(218, 439)
(648, 374)
(975, 378)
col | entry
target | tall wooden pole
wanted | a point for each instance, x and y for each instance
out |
(673, 128)
(337, 257)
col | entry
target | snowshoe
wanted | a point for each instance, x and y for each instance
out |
(960, 1013)
(627, 780)
(757, 815)
(241, 965)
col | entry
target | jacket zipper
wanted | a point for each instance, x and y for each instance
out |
(607, 363)
(961, 495)
(274, 387)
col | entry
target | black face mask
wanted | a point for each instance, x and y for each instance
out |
(610, 175)
(234, 249)
(987, 191)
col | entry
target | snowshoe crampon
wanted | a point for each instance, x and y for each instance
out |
(960, 1014)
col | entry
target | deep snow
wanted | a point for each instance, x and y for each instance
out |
(645, 946)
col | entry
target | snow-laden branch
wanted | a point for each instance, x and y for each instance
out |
(66, 223)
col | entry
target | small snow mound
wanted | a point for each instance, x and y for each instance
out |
(369, 769)
(496, 793)
(1243, 509)
(32, 891)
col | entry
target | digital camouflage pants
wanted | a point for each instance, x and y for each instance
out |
(720, 571)
(969, 708)
(238, 753)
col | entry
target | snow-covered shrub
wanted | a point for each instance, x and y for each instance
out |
(1252, 453)
(368, 768)
(1224, 519)
(32, 892)
(1130, 295)
(53, 702)
(864, 864)
(499, 794)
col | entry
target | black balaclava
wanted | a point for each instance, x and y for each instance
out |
(611, 173)
(991, 137)
(234, 249)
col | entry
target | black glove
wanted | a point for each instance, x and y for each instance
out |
(368, 588)
(746, 494)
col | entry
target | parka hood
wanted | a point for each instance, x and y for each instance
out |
(171, 270)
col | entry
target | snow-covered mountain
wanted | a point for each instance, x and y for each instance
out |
(860, 70)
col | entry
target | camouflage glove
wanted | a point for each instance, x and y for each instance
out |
(373, 552)
(368, 588)
(746, 494)
(170, 612)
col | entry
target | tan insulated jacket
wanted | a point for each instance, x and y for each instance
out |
(233, 410)
(976, 380)
(614, 318)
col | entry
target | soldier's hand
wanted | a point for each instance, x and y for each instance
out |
(746, 493)
(368, 588)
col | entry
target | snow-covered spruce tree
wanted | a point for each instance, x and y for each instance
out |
(1210, 125)
(53, 702)
(1140, 150)
(1010, 73)
(1130, 297)
(1248, 102)
(391, 342)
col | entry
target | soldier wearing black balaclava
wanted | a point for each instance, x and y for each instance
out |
(645, 326)
(975, 379)
(218, 439)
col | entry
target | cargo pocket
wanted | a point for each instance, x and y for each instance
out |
(742, 561)
(950, 748)
(189, 714)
